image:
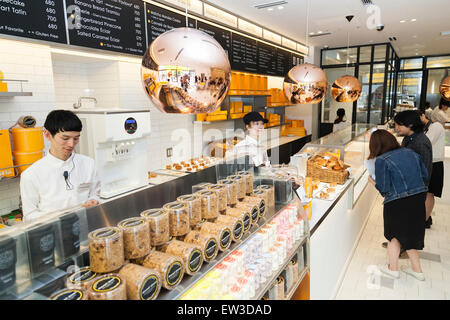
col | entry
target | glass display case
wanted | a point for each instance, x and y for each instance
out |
(40, 258)
(351, 144)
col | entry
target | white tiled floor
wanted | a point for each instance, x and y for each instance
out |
(363, 280)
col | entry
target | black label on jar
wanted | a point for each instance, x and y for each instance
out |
(246, 221)
(71, 294)
(82, 276)
(255, 214)
(238, 230)
(174, 273)
(211, 248)
(149, 288)
(105, 233)
(225, 238)
(194, 260)
(106, 284)
(262, 208)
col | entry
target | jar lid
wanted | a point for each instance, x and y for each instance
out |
(131, 222)
(265, 186)
(234, 177)
(225, 181)
(83, 275)
(174, 205)
(204, 193)
(67, 294)
(243, 173)
(216, 186)
(258, 191)
(153, 212)
(106, 283)
(187, 197)
(104, 233)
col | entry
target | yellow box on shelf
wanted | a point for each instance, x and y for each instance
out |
(6, 160)
(201, 116)
(247, 109)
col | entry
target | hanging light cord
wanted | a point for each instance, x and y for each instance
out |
(307, 25)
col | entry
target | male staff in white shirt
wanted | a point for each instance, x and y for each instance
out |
(61, 179)
(254, 123)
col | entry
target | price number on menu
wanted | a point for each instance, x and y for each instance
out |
(50, 11)
(138, 26)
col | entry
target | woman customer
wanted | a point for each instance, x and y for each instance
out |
(436, 133)
(340, 122)
(400, 179)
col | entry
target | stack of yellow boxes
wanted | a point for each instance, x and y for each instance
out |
(247, 84)
(3, 85)
(6, 160)
(277, 98)
(274, 119)
(294, 128)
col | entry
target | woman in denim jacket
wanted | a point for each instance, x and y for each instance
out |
(401, 179)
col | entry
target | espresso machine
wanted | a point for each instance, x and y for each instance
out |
(117, 140)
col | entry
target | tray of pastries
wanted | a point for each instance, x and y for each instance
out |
(326, 191)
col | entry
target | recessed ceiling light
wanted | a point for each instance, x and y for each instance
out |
(319, 31)
(269, 9)
(414, 36)
(413, 20)
(280, 7)
(402, 21)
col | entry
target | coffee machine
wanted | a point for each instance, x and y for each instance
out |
(117, 140)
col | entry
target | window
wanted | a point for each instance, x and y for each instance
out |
(438, 62)
(407, 64)
(379, 53)
(339, 56)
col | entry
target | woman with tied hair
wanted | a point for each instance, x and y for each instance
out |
(401, 179)
(340, 122)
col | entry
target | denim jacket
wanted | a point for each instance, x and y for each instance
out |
(400, 173)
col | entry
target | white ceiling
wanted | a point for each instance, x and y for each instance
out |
(421, 37)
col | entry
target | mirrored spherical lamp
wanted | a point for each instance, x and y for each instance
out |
(444, 88)
(304, 84)
(187, 71)
(346, 89)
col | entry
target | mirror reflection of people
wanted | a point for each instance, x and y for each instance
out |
(61, 179)
(340, 121)
(254, 124)
(439, 114)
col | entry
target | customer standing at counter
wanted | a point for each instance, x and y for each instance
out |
(400, 179)
(61, 179)
(409, 126)
(436, 133)
(254, 123)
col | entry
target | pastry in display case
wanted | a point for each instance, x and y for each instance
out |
(336, 157)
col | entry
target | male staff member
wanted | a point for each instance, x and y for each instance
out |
(61, 179)
(254, 123)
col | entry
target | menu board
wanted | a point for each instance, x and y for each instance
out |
(36, 19)
(267, 59)
(244, 56)
(222, 36)
(116, 25)
(284, 63)
(296, 60)
(160, 20)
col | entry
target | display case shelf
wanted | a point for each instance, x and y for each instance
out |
(266, 286)
(16, 93)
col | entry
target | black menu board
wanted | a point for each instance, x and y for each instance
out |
(222, 36)
(244, 56)
(116, 25)
(36, 19)
(160, 20)
(267, 59)
(284, 63)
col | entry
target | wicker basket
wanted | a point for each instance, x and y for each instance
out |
(317, 172)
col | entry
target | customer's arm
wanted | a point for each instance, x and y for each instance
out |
(383, 181)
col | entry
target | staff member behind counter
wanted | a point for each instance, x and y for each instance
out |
(61, 179)
(254, 123)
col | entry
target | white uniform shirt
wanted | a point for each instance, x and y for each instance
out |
(43, 187)
(340, 125)
(249, 146)
(438, 115)
(436, 134)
